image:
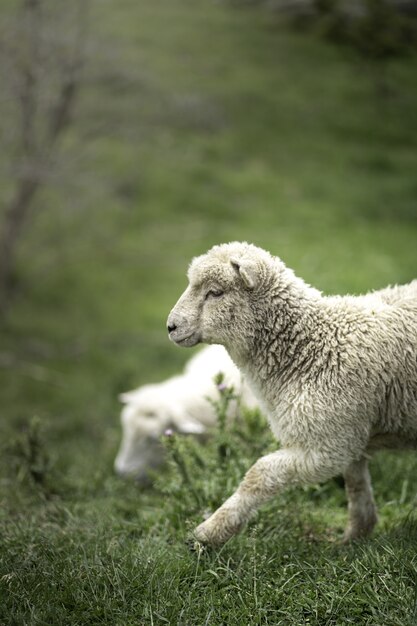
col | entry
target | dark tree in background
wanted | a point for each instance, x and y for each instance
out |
(376, 30)
(42, 55)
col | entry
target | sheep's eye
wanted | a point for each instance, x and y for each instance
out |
(214, 293)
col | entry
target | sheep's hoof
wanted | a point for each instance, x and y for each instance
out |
(215, 532)
(194, 546)
(360, 530)
(204, 537)
(350, 536)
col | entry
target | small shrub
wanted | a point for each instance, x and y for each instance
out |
(29, 461)
(202, 474)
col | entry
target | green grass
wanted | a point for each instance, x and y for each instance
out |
(102, 552)
(197, 123)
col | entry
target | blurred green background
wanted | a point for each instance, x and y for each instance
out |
(196, 123)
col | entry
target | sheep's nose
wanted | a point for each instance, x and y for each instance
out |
(171, 327)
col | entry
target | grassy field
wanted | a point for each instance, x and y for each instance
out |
(198, 123)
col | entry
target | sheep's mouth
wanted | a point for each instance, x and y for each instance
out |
(186, 341)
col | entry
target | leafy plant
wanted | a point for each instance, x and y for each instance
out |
(30, 460)
(202, 474)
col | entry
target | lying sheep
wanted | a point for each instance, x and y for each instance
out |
(336, 376)
(179, 403)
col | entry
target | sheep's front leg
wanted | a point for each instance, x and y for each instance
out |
(361, 505)
(269, 475)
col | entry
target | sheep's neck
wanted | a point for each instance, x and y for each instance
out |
(288, 338)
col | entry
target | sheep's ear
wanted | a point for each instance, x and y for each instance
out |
(247, 270)
(182, 423)
(126, 396)
(190, 427)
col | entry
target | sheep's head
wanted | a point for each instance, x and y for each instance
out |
(140, 449)
(148, 414)
(220, 302)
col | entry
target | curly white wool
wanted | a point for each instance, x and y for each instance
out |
(336, 376)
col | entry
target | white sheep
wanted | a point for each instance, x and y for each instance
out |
(335, 375)
(180, 403)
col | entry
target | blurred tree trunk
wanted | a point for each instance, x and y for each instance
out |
(43, 114)
(14, 220)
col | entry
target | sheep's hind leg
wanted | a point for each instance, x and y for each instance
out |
(361, 505)
(270, 475)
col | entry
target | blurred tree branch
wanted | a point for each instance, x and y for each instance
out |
(45, 60)
(376, 30)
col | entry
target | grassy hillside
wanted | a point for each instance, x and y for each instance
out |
(197, 123)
